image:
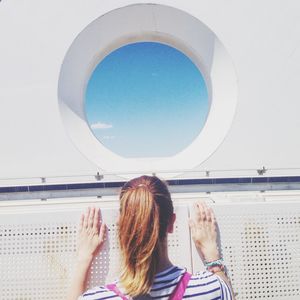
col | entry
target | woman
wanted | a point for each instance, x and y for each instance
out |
(146, 219)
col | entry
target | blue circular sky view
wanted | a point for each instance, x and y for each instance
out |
(146, 99)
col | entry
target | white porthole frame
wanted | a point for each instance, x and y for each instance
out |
(139, 23)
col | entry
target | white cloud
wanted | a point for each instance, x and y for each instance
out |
(108, 137)
(100, 125)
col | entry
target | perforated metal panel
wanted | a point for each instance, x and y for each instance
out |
(261, 248)
(38, 250)
(260, 245)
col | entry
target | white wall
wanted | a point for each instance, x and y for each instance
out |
(262, 39)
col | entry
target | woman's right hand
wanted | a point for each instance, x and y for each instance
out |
(203, 227)
(205, 235)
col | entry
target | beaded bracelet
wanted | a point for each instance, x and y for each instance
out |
(218, 262)
(215, 266)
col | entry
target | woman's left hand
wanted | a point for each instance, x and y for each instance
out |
(91, 237)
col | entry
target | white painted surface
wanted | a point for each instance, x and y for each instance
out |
(260, 246)
(261, 38)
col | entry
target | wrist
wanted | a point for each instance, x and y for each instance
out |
(212, 257)
(84, 260)
(210, 254)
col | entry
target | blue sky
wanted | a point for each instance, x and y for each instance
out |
(146, 99)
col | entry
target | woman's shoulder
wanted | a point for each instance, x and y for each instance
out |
(201, 284)
(100, 292)
(209, 284)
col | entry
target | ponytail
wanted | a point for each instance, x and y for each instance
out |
(145, 211)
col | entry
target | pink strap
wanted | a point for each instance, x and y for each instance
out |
(176, 295)
(112, 287)
(181, 287)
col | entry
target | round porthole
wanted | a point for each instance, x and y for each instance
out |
(156, 93)
(146, 99)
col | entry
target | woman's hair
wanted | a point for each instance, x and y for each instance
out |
(145, 212)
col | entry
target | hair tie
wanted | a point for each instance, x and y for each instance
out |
(142, 185)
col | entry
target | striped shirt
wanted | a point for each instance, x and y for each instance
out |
(202, 286)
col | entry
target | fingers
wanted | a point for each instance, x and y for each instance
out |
(203, 213)
(86, 218)
(203, 231)
(90, 219)
(212, 216)
(81, 222)
(102, 232)
(191, 224)
(203, 210)
(208, 214)
(96, 220)
(197, 211)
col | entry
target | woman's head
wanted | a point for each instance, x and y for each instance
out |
(146, 214)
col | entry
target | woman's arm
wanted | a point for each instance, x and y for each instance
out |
(91, 237)
(204, 233)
